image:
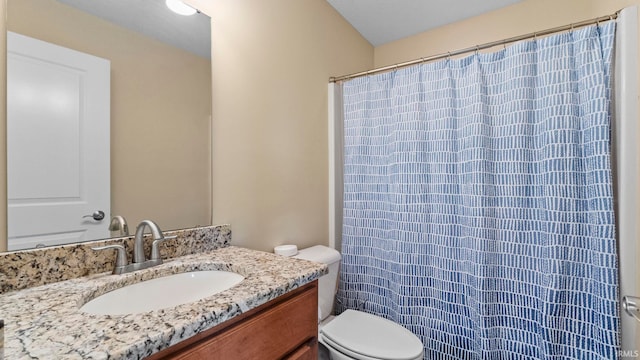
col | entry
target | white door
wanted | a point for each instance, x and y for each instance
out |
(58, 169)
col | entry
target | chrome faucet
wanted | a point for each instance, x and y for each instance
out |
(138, 241)
(118, 223)
(139, 260)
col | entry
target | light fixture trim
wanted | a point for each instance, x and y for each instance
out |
(179, 7)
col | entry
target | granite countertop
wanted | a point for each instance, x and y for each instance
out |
(45, 322)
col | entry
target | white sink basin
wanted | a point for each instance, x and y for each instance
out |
(162, 293)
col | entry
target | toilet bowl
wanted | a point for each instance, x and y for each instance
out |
(356, 334)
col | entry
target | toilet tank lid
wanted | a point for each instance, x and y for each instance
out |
(320, 254)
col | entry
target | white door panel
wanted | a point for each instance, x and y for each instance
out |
(57, 143)
(44, 136)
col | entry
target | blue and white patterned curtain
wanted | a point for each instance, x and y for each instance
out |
(478, 201)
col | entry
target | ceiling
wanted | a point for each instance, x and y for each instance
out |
(379, 21)
(154, 19)
(383, 21)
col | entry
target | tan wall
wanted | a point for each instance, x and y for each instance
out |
(518, 19)
(160, 124)
(271, 65)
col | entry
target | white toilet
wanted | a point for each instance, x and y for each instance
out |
(356, 334)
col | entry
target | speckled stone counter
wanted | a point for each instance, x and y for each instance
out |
(45, 322)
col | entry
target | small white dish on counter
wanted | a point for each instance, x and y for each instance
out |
(161, 293)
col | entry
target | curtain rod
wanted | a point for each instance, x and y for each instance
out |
(476, 48)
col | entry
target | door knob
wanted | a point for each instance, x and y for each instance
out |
(97, 215)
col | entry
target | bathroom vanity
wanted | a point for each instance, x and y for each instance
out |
(272, 313)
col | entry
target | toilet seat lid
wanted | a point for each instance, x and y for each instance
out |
(372, 336)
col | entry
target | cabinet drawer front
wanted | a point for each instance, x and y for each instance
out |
(270, 334)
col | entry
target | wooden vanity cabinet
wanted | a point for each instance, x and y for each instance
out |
(284, 328)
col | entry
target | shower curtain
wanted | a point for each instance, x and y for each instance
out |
(478, 201)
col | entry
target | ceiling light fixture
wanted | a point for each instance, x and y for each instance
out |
(179, 7)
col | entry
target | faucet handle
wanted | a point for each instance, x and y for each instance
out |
(119, 223)
(155, 251)
(121, 256)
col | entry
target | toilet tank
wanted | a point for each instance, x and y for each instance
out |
(327, 284)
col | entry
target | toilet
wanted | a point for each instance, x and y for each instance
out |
(356, 334)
